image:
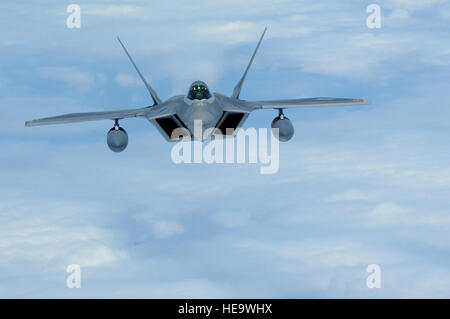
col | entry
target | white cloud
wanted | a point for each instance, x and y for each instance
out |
(162, 228)
(388, 213)
(229, 32)
(412, 5)
(399, 14)
(128, 80)
(232, 218)
(350, 195)
(327, 38)
(183, 71)
(73, 77)
(444, 12)
(438, 57)
(113, 10)
(319, 253)
(355, 186)
(39, 237)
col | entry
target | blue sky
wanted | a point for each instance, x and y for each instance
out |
(356, 185)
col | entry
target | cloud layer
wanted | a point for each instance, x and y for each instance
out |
(356, 186)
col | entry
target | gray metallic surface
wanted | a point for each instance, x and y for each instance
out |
(285, 128)
(117, 139)
(183, 110)
(88, 116)
(237, 89)
(208, 111)
(308, 102)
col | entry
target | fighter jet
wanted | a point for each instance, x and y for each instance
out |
(176, 117)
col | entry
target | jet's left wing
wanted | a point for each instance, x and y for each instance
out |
(307, 102)
(88, 116)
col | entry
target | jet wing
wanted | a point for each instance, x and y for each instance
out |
(308, 102)
(88, 116)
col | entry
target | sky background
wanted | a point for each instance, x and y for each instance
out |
(356, 185)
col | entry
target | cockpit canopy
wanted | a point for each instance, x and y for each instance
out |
(198, 91)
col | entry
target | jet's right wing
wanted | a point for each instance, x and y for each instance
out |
(88, 116)
(307, 102)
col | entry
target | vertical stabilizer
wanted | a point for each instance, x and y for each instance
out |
(237, 89)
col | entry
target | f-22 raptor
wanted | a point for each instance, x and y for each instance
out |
(219, 113)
